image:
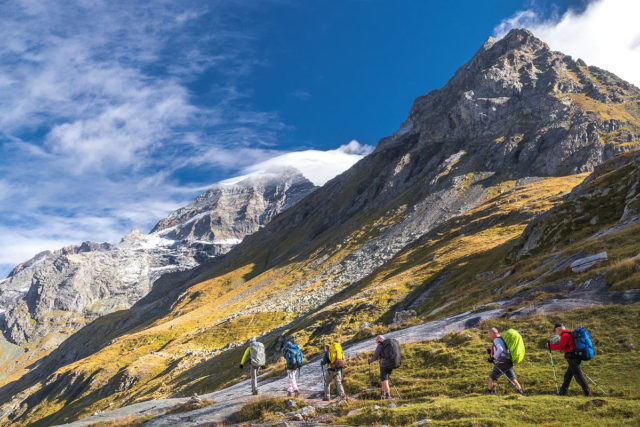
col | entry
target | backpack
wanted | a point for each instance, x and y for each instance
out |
(256, 350)
(336, 357)
(583, 343)
(293, 356)
(391, 352)
(514, 343)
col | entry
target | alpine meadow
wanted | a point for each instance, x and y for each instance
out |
(479, 267)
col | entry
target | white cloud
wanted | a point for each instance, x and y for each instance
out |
(317, 166)
(97, 118)
(605, 34)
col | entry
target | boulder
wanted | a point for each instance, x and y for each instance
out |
(584, 264)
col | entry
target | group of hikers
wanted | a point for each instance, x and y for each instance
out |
(507, 349)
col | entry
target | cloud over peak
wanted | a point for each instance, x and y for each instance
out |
(605, 34)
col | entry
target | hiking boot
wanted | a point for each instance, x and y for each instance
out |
(289, 394)
(487, 391)
(383, 396)
(588, 393)
(296, 393)
(326, 398)
(562, 392)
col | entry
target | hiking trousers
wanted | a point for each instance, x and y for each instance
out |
(573, 370)
(293, 385)
(254, 379)
(335, 376)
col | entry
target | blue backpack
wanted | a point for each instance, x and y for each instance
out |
(584, 345)
(293, 356)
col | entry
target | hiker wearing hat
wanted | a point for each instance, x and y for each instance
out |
(258, 360)
(567, 345)
(389, 354)
(500, 356)
(334, 370)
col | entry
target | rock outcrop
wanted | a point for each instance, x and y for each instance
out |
(517, 111)
(55, 293)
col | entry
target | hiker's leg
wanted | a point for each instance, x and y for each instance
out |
(339, 387)
(384, 380)
(327, 392)
(294, 381)
(511, 375)
(567, 377)
(577, 373)
(291, 375)
(493, 377)
(254, 379)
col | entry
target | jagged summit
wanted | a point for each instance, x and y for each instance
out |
(541, 112)
(472, 163)
(229, 211)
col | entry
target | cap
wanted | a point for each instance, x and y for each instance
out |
(380, 338)
(558, 325)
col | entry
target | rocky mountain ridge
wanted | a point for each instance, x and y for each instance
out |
(55, 293)
(436, 203)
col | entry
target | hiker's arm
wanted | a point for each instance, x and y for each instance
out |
(562, 344)
(325, 359)
(376, 354)
(246, 354)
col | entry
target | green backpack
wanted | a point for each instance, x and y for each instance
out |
(514, 342)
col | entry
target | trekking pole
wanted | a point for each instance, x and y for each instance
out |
(324, 380)
(505, 375)
(596, 384)
(394, 387)
(554, 372)
(370, 385)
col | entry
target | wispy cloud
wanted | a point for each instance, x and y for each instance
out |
(114, 113)
(99, 119)
(300, 94)
(606, 34)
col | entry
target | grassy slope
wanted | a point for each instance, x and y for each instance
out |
(168, 357)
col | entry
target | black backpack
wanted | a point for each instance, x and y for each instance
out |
(391, 352)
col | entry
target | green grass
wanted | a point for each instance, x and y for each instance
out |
(444, 380)
(264, 409)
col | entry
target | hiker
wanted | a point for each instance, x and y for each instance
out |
(293, 358)
(334, 358)
(500, 357)
(258, 360)
(389, 354)
(567, 345)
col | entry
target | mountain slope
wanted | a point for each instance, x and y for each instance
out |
(459, 181)
(46, 299)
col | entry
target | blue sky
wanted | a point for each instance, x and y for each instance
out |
(113, 113)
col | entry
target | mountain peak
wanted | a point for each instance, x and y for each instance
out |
(517, 38)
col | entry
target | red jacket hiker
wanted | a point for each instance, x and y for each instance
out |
(566, 344)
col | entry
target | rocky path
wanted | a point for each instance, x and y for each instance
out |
(229, 400)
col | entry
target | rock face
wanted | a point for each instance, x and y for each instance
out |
(228, 212)
(515, 112)
(610, 194)
(57, 292)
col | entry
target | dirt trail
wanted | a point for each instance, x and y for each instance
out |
(229, 400)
